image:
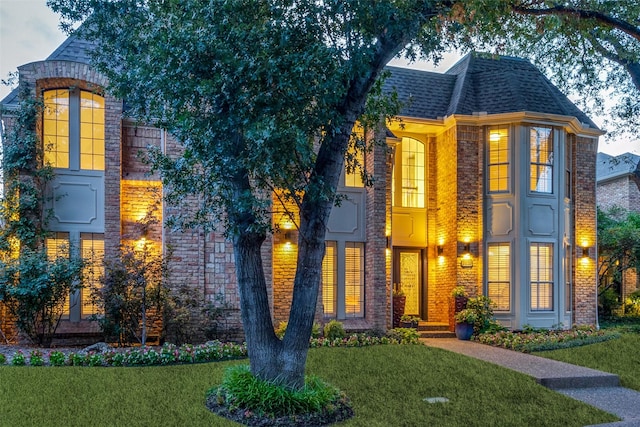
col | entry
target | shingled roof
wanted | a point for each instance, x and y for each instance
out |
(73, 49)
(480, 83)
(610, 167)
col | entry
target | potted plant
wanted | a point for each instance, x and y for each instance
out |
(399, 301)
(460, 297)
(465, 321)
(408, 321)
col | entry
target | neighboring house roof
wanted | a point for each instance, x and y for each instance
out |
(480, 83)
(610, 167)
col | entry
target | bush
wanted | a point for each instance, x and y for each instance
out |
(282, 328)
(482, 306)
(3, 359)
(632, 304)
(608, 302)
(240, 389)
(404, 335)
(334, 330)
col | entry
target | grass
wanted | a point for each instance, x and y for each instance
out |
(386, 384)
(619, 356)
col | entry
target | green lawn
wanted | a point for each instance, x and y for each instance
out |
(620, 356)
(387, 385)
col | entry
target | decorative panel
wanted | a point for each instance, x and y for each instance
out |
(500, 219)
(409, 227)
(541, 220)
(77, 203)
(347, 220)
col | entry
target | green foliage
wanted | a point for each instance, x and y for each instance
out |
(531, 339)
(404, 335)
(3, 359)
(132, 295)
(57, 358)
(334, 329)
(240, 389)
(36, 358)
(482, 309)
(35, 288)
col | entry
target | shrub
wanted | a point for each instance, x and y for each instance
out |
(3, 359)
(282, 328)
(241, 389)
(36, 358)
(632, 304)
(57, 358)
(404, 335)
(18, 359)
(482, 306)
(334, 330)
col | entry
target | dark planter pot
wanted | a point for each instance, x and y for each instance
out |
(413, 325)
(464, 331)
(460, 303)
(398, 309)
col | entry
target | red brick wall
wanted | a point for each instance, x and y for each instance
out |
(585, 279)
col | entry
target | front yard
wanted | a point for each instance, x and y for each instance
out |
(388, 385)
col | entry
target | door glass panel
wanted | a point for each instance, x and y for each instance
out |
(410, 280)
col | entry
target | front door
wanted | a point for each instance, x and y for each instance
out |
(408, 275)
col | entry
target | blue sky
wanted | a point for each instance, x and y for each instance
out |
(29, 32)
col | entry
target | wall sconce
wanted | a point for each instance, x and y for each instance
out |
(466, 260)
(440, 250)
(388, 244)
(466, 249)
(585, 252)
(288, 236)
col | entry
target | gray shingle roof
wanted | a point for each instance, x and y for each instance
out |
(610, 167)
(479, 83)
(73, 49)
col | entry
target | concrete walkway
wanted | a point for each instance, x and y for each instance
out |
(596, 388)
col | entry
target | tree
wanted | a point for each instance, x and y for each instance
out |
(618, 248)
(264, 96)
(591, 47)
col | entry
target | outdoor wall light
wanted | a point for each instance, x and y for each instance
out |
(585, 252)
(288, 236)
(440, 250)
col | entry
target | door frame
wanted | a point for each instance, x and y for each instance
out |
(422, 290)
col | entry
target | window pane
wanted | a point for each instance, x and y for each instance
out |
(57, 246)
(541, 159)
(92, 247)
(353, 178)
(91, 131)
(498, 160)
(329, 283)
(354, 279)
(499, 275)
(55, 128)
(412, 171)
(541, 276)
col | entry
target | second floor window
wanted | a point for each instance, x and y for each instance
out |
(498, 160)
(73, 129)
(541, 160)
(409, 174)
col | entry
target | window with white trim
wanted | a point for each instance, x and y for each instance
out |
(408, 181)
(541, 276)
(541, 159)
(343, 280)
(499, 275)
(498, 155)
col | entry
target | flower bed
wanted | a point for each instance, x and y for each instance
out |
(530, 340)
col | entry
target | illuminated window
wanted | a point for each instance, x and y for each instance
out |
(353, 175)
(354, 279)
(92, 247)
(73, 129)
(541, 159)
(57, 246)
(498, 160)
(541, 276)
(409, 174)
(343, 280)
(499, 275)
(329, 280)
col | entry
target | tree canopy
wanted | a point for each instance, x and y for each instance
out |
(264, 95)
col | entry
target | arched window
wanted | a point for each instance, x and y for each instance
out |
(409, 175)
(73, 129)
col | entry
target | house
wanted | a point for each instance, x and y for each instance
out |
(489, 184)
(618, 185)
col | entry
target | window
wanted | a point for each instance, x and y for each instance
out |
(567, 170)
(498, 160)
(568, 268)
(541, 276)
(354, 279)
(92, 247)
(499, 275)
(541, 159)
(57, 246)
(73, 129)
(329, 279)
(353, 176)
(409, 174)
(343, 280)
(79, 304)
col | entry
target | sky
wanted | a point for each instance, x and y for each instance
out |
(29, 32)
